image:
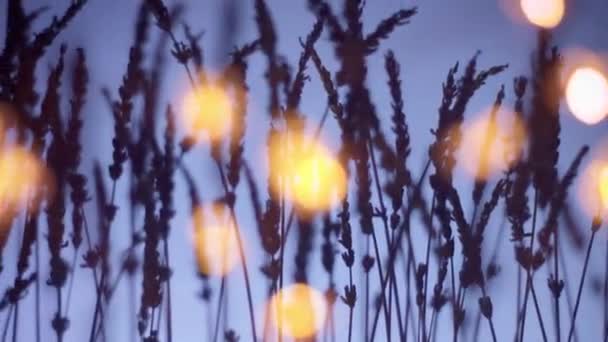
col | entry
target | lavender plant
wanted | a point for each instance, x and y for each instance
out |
(398, 256)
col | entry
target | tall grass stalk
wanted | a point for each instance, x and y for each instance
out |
(595, 226)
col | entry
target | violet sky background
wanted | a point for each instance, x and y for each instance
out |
(444, 31)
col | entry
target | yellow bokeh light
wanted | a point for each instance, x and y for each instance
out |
(314, 179)
(215, 241)
(207, 112)
(592, 188)
(544, 13)
(506, 141)
(603, 185)
(23, 178)
(298, 311)
(587, 95)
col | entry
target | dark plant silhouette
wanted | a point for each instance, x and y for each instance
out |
(400, 252)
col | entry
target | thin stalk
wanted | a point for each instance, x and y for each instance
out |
(422, 308)
(462, 293)
(209, 321)
(476, 330)
(121, 273)
(87, 235)
(427, 259)
(37, 251)
(555, 297)
(490, 322)
(218, 314)
(453, 281)
(159, 318)
(393, 244)
(74, 268)
(97, 308)
(492, 261)
(567, 289)
(367, 295)
(266, 327)
(132, 327)
(226, 306)
(407, 297)
(390, 306)
(580, 285)
(477, 326)
(7, 323)
(132, 311)
(15, 321)
(16, 303)
(222, 301)
(434, 337)
(71, 284)
(241, 251)
(517, 320)
(402, 229)
(350, 313)
(169, 319)
(98, 284)
(432, 325)
(381, 276)
(98, 302)
(537, 309)
(529, 281)
(59, 332)
(389, 241)
(332, 324)
(398, 309)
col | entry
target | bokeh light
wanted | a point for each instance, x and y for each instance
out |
(24, 180)
(506, 139)
(215, 240)
(207, 112)
(592, 189)
(544, 13)
(587, 95)
(298, 310)
(603, 185)
(314, 179)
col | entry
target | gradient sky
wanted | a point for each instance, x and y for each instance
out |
(442, 33)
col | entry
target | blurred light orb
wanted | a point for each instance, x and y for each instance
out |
(215, 241)
(313, 178)
(207, 112)
(23, 177)
(318, 180)
(544, 13)
(482, 160)
(603, 185)
(592, 187)
(587, 95)
(298, 310)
